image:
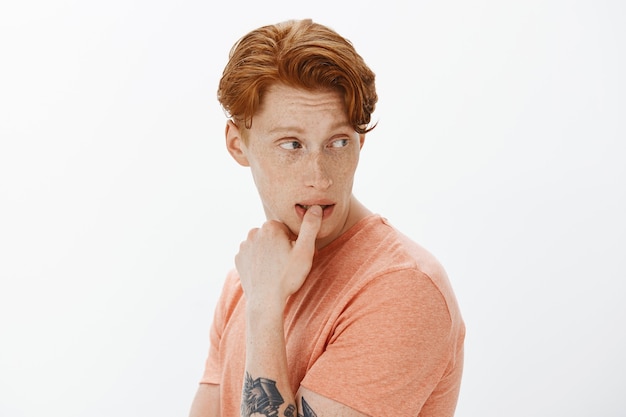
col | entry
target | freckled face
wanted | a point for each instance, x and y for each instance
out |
(302, 151)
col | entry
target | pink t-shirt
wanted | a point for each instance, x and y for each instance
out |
(375, 326)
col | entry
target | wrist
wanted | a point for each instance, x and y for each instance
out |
(264, 308)
(264, 326)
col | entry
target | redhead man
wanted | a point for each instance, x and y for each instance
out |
(330, 310)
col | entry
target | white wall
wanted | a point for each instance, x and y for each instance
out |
(500, 147)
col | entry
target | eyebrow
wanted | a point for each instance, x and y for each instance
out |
(299, 130)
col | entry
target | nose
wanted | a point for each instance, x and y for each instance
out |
(316, 173)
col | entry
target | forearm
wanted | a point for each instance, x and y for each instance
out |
(267, 390)
(272, 266)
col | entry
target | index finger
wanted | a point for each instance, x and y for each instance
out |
(311, 224)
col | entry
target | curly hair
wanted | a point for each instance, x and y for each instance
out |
(301, 54)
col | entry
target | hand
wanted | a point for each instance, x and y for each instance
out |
(273, 263)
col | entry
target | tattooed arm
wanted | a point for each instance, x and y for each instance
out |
(272, 266)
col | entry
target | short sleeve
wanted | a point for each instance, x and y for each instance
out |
(390, 347)
(231, 293)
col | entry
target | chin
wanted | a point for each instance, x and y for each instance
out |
(327, 231)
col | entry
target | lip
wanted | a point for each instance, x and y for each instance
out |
(327, 208)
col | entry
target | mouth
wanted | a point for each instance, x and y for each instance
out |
(306, 207)
(327, 209)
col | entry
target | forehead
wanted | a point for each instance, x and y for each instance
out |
(281, 104)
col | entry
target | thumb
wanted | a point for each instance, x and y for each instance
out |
(311, 224)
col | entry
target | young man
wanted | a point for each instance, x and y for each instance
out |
(330, 310)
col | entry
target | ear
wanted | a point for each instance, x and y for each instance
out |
(235, 144)
(361, 140)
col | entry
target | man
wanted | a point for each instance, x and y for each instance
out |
(330, 311)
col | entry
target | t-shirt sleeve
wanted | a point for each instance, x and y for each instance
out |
(390, 347)
(223, 310)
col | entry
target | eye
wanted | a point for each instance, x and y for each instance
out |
(340, 143)
(291, 145)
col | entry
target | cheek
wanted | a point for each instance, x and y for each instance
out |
(343, 169)
(272, 184)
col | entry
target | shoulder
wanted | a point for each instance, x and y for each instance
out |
(230, 298)
(381, 249)
(376, 237)
(389, 267)
(406, 252)
(232, 289)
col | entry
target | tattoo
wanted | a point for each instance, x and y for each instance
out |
(289, 412)
(260, 396)
(307, 410)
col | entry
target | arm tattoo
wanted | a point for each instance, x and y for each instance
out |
(260, 396)
(307, 410)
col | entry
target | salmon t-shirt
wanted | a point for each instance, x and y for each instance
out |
(375, 326)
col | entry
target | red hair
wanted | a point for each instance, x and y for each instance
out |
(297, 53)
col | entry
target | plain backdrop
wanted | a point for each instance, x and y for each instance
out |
(499, 147)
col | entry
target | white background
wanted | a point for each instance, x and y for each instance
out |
(500, 147)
